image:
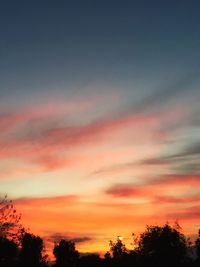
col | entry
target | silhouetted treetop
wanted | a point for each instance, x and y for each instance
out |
(117, 249)
(163, 245)
(8, 250)
(31, 250)
(65, 253)
(10, 226)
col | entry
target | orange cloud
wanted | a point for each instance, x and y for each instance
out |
(178, 200)
(56, 201)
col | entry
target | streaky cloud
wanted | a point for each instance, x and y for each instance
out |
(168, 91)
(152, 187)
(47, 201)
(56, 237)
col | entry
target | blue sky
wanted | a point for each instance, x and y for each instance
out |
(64, 46)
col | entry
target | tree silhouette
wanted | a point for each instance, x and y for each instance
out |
(197, 248)
(118, 253)
(10, 226)
(31, 250)
(8, 251)
(162, 246)
(65, 253)
(117, 249)
(90, 261)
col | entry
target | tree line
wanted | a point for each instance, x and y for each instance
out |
(157, 246)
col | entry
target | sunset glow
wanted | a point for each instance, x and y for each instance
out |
(99, 119)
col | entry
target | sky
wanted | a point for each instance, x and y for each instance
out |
(100, 117)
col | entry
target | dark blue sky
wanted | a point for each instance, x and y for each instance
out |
(46, 45)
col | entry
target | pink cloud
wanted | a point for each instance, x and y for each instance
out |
(45, 112)
(156, 189)
(177, 200)
(45, 145)
(186, 214)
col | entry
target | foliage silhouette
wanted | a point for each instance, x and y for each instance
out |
(118, 254)
(66, 253)
(90, 261)
(197, 248)
(8, 251)
(162, 246)
(10, 226)
(31, 250)
(117, 249)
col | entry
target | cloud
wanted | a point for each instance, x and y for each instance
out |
(175, 179)
(45, 134)
(152, 188)
(184, 162)
(168, 91)
(46, 112)
(129, 165)
(10, 120)
(56, 237)
(46, 147)
(177, 200)
(97, 129)
(186, 214)
(121, 190)
(189, 151)
(47, 201)
(168, 197)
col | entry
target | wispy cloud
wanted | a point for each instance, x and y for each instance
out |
(45, 146)
(156, 188)
(56, 237)
(191, 213)
(177, 89)
(55, 201)
(178, 200)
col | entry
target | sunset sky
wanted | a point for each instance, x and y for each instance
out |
(100, 116)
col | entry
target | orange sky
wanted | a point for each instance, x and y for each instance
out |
(93, 181)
